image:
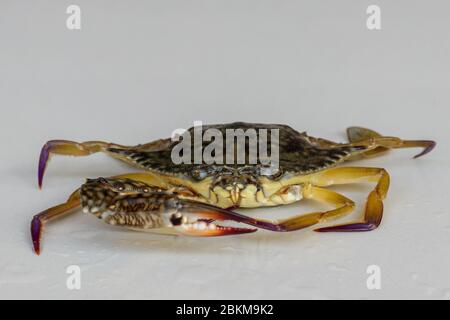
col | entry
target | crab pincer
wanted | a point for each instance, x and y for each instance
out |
(138, 206)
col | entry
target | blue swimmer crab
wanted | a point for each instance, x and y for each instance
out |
(196, 198)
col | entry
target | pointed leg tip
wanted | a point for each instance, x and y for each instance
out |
(37, 249)
(43, 160)
(36, 230)
(429, 145)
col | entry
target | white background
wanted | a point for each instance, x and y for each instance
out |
(140, 69)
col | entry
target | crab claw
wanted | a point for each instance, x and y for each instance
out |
(142, 207)
(198, 219)
(211, 218)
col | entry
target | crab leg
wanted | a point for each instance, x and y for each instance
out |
(76, 149)
(67, 148)
(343, 206)
(374, 206)
(130, 216)
(427, 146)
(379, 144)
(39, 220)
(383, 143)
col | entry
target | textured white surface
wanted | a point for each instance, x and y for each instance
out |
(139, 69)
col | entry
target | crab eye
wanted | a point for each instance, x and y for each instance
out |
(176, 219)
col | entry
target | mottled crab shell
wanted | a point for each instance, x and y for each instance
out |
(299, 154)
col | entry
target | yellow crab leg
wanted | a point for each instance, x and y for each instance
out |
(76, 149)
(379, 144)
(374, 206)
(68, 148)
(343, 206)
(39, 220)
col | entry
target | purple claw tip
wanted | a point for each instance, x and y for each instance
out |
(36, 228)
(43, 159)
(430, 146)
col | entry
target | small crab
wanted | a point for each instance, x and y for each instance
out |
(199, 199)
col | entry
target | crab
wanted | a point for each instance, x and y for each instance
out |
(199, 199)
